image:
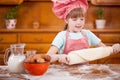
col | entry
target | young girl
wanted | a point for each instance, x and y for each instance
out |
(74, 37)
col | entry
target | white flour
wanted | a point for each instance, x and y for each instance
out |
(85, 72)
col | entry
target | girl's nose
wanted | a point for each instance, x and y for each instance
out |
(79, 21)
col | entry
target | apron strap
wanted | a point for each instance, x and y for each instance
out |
(83, 33)
(67, 33)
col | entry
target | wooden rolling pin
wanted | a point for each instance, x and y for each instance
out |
(86, 55)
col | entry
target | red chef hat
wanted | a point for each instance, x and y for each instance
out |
(61, 8)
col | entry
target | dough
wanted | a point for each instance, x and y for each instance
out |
(85, 55)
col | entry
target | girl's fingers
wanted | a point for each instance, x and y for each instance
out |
(47, 58)
(63, 59)
(116, 48)
(67, 60)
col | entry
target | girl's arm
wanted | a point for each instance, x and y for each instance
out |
(51, 54)
(101, 44)
(52, 50)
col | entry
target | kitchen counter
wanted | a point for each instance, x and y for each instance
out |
(64, 72)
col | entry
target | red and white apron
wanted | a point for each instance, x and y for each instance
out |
(75, 44)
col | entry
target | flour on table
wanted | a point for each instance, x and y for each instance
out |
(78, 72)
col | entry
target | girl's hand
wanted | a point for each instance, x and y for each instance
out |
(116, 48)
(29, 58)
(63, 58)
(39, 58)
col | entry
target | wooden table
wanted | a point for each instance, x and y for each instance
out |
(74, 72)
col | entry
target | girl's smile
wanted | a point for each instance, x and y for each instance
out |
(78, 26)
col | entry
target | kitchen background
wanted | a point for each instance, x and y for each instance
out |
(41, 11)
(48, 25)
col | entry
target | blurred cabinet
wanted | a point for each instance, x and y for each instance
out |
(10, 2)
(113, 59)
(39, 40)
(5, 40)
(105, 2)
(109, 37)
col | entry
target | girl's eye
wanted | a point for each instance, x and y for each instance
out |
(74, 19)
(82, 19)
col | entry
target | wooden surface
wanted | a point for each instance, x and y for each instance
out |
(74, 72)
(11, 2)
(105, 2)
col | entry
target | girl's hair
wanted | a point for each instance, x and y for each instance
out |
(75, 13)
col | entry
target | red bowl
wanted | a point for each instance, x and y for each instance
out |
(36, 69)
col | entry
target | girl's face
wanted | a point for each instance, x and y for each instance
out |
(75, 24)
